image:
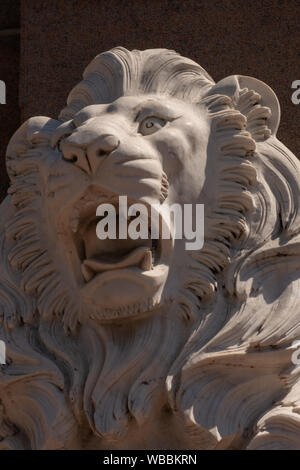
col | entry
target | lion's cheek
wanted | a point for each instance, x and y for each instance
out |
(183, 159)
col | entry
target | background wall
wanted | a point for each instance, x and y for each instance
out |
(260, 38)
(9, 73)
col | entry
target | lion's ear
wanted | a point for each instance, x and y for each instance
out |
(36, 131)
(253, 98)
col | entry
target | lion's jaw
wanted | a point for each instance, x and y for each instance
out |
(123, 278)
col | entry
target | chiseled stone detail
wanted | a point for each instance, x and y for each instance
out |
(195, 352)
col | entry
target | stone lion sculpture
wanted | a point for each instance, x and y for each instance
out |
(190, 349)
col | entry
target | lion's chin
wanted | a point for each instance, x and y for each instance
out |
(123, 293)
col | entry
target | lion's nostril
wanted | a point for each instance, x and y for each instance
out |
(70, 158)
(101, 153)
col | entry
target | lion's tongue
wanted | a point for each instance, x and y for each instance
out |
(140, 256)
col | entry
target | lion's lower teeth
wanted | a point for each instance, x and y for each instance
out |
(147, 261)
(87, 273)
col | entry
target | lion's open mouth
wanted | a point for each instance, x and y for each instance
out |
(99, 256)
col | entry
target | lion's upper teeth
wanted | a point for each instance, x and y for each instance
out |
(74, 222)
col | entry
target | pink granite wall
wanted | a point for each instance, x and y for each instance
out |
(9, 73)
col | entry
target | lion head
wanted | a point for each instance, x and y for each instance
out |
(112, 342)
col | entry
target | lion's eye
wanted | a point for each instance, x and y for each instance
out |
(63, 131)
(150, 125)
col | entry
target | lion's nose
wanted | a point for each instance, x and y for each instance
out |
(100, 148)
(89, 157)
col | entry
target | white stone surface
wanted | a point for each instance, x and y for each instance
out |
(195, 350)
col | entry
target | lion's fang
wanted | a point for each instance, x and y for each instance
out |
(146, 264)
